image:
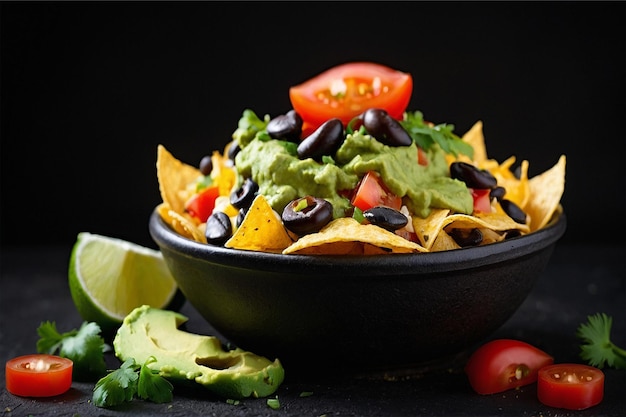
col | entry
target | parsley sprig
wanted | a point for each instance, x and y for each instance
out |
(131, 380)
(597, 349)
(426, 135)
(85, 347)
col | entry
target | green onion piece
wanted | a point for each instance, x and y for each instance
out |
(302, 204)
(358, 215)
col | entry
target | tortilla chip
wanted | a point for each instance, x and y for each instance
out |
(174, 177)
(444, 242)
(223, 173)
(427, 229)
(261, 229)
(547, 189)
(491, 236)
(516, 188)
(476, 139)
(181, 223)
(493, 221)
(343, 248)
(332, 239)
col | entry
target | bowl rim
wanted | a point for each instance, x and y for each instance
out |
(400, 264)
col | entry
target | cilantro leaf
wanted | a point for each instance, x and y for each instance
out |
(129, 381)
(597, 348)
(85, 347)
(118, 386)
(426, 135)
(152, 386)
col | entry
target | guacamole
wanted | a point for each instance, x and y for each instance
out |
(283, 177)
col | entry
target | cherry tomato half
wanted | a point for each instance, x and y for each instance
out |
(347, 90)
(371, 192)
(504, 364)
(570, 385)
(38, 375)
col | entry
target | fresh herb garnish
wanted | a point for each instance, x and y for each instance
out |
(597, 349)
(85, 347)
(426, 135)
(129, 381)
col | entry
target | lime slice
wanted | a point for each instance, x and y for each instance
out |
(110, 277)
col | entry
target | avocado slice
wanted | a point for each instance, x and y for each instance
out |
(183, 357)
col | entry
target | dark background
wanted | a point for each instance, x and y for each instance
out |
(90, 89)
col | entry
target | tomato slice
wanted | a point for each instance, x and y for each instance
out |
(570, 385)
(503, 364)
(347, 90)
(38, 375)
(201, 205)
(372, 191)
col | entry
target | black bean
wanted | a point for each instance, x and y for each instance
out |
(287, 126)
(466, 237)
(206, 165)
(307, 215)
(233, 150)
(244, 195)
(513, 210)
(325, 140)
(385, 128)
(472, 176)
(497, 192)
(386, 217)
(512, 233)
(218, 228)
(240, 216)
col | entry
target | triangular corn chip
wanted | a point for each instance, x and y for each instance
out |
(260, 230)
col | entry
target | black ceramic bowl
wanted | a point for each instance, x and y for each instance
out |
(373, 313)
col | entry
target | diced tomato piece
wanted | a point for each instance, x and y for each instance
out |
(201, 205)
(482, 200)
(372, 191)
(422, 159)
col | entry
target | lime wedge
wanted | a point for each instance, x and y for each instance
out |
(109, 278)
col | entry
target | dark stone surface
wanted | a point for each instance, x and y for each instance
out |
(578, 281)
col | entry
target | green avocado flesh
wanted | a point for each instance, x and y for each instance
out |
(186, 357)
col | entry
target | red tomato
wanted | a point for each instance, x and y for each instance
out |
(482, 200)
(504, 364)
(422, 159)
(38, 375)
(347, 90)
(570, 385)
(372, 192)
(201, 205)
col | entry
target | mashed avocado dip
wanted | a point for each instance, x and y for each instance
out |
(283, 177)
